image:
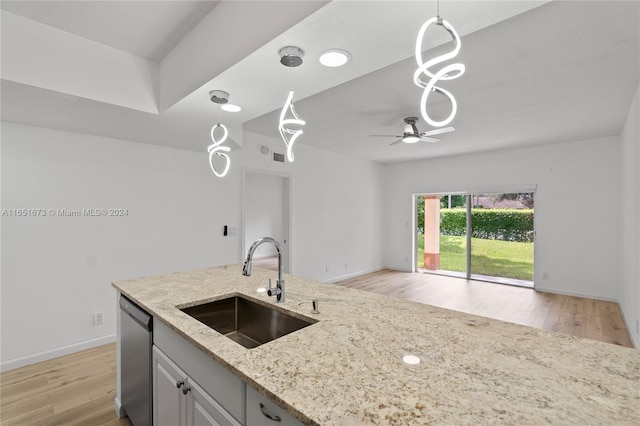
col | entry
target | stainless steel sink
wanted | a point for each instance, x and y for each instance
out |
(246, 322)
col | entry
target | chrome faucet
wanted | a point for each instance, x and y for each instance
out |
(278, 290)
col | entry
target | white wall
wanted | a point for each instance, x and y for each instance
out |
(337, 234)
(576, 207)
(263, 211)
(337, 209)
(57, 271)
(630, 221)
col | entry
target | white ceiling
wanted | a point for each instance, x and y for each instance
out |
(537, 72)
(149, 29)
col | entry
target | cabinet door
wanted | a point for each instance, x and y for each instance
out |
(168, 400)
(203, 410)
(216, 380)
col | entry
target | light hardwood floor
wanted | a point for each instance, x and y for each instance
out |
(593, 319)
(78, 389)
(266, 263)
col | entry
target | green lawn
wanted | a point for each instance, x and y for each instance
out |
(488, 257)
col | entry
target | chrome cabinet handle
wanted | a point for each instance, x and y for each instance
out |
(179, 384)
(269, 415)
(185, 390)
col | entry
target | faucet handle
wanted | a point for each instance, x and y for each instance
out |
(273, 291)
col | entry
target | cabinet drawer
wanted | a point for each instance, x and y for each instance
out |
(216, 380)
(259, 407)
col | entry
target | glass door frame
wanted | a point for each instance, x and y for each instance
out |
(414, 244)
(469, 226)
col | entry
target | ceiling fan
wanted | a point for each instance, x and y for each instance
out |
(412, 135)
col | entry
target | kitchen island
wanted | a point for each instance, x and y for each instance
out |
(348, 368)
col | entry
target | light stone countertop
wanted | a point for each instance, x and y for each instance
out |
(347, 369)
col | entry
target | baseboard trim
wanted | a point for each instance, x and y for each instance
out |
(399, 268)
(352, 275)
(629, 328)
(576, 294)
(55, 353)
(119, 408)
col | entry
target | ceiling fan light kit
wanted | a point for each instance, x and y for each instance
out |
(411, 139)
(412, 135)
(291, 57)
(448, 72)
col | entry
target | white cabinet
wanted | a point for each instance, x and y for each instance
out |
(262, 412)
(168, 402)
(207, 376)
(189, 388)
(205, 410)
(179, 400)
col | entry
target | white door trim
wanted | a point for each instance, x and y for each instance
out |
(286, 247)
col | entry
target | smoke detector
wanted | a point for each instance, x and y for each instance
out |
(291, 56)
(219, 97)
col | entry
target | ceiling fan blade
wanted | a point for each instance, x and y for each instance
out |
(438, 131)
(430, 140)
(396, 142)
(385, 136)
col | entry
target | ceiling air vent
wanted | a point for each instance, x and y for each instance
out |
(278, 157)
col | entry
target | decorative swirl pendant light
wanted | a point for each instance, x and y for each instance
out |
(215, 149)
(448, 72)
(290, 56)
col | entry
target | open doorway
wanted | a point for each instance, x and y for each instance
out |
(267, 213)
(483, 236)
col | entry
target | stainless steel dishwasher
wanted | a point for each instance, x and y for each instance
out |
(136, 340)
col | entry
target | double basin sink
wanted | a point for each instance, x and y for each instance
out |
(246, 322)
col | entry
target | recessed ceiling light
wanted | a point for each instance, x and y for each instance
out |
(231, 108)
(334, 58)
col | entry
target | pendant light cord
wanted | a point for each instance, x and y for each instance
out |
(291, 77)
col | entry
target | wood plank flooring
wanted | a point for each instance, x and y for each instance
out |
(78, 389)
(266, 263)
(593, 319)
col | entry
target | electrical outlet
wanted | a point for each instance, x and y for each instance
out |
(637, 326)
(326, 268)
(98, 318)
(545, 276)
(345, 266)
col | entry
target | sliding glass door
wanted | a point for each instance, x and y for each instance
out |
(441, 236)
(502, 238)
(483, 236)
